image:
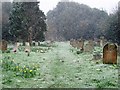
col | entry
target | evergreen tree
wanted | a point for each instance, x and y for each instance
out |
(27, 22)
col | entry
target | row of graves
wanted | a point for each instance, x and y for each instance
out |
(110, 51)
(27, 47)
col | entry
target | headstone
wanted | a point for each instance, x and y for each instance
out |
(110, 54)
(80, 44)
(89, 46)
(103, 41)
(3, 45)
(27, 48)
(36, 43)
(96, 42)
(33, 43)
(15, 49)
(91, 43)
(73, 43)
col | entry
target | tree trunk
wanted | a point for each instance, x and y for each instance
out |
(30, 36)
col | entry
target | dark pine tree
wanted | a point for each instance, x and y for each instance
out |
(27, 21)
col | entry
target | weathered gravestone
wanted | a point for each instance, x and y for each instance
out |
(15, 49)
(80, 44)
(89, 46)
(39, 43)
(73, 43)
(110, 54)
(33, 43)
(36, 43)
(96, 42)
(27, 48)
(3, 45)
(103, 41)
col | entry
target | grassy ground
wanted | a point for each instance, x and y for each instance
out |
(59, 66)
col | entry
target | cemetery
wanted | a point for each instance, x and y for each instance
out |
(72, 45)
(58, 65)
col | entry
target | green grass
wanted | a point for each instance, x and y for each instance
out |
(59, 66)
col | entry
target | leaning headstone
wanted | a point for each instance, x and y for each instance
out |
(110, 54)
(3, 45)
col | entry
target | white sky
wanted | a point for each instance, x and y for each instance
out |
(108, 5)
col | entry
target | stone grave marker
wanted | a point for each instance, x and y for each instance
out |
(103, 41)
(89, 46)
(3, 45)
(27, 48)
(33, 43)
(80, 44)
(36, 43)
(73, 43)
(15, 49)
(110, 53)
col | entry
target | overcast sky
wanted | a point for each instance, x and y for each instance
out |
(108, 5)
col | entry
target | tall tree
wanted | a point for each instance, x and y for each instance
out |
(73, 20)
(113, 32)
(27, 21)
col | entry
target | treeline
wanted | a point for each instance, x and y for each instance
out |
(69, 20)
(73, 20)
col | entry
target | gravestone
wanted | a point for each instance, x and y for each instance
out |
(73, 43)
(3, 45)
(103, 41)
(27, 48)
(15, 49)
(33, 43)
(96, 42)
(80, 44)
(89, 46)
(27, 45)
(110, 54)
(36, 43)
